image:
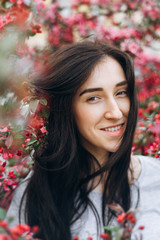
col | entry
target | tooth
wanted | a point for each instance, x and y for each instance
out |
(113, 128)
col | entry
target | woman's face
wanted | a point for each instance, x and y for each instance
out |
(101, 106)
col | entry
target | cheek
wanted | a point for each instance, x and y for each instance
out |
(81, 116)
(125, 107)
(85, 118)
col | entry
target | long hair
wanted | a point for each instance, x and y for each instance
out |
(57, 194)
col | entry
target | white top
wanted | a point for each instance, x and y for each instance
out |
(148, 214)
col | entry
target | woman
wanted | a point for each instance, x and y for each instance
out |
(87, 162)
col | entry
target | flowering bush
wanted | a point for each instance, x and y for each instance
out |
(19, 112)
(123, 229)
(134, 26)
(21, 231)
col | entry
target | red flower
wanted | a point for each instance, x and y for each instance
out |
(3, 224)
(121, 217)
(18, 230)
(141, 227)
(36, 28)
(2, 169)
(105, 236)
(11, 174)
(19, 152)
(1, 150)
(3, 164)
(10, 155)
(133, 220)
(76, 238)
(20, 14)
(129, 216)
(35, 229)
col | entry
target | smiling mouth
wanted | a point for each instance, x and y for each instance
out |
(113, 129)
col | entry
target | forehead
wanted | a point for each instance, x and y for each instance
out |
(107, 73)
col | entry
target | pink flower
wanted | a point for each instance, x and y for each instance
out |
(52, 12)
(131, 46)
(4, 129)
(43, 130)
(11, 174)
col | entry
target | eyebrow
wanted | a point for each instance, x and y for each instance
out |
(88, 90)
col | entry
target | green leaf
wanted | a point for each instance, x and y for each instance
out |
(144, 141)
(12, 162)
(118, 237)
(32, 34)
(108, 228)
(156, 97)
(30, 163)
(9, 141)
(31, 142)
(33, 105)
(43, 101)
(19, 136)
(7, 4)
(2, 213)
(4, 133)
(2, 230)
(45, 113)
(28, 149)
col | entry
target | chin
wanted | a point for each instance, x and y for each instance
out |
(113, 150)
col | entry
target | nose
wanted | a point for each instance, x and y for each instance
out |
(112, 110)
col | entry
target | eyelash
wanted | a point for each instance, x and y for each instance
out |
(92, 99)
(124, 92)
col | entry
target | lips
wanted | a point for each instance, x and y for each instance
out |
(113, 128)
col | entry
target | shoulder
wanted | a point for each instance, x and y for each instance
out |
(13, 211)
(149, 162)
(148, 213)
(150, 170)
(21, 187)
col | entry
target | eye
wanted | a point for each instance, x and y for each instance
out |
(122, 93)
(92, 99)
